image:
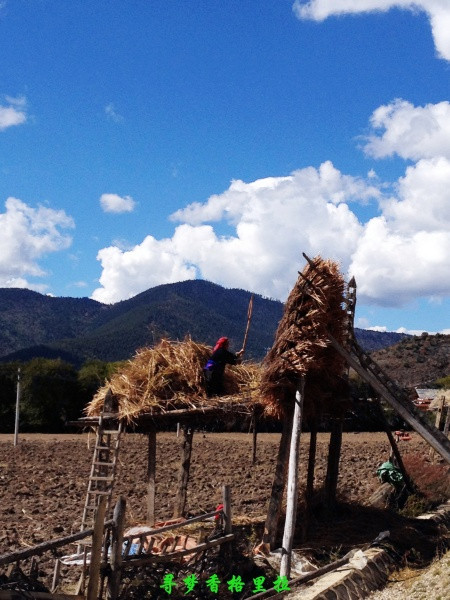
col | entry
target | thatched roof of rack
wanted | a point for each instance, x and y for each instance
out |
(313, 308)
(169, 377)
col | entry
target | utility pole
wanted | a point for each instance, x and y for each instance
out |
(16, 427)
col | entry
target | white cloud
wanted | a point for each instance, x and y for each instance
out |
(412, 132)
(401, 254)
(28, 234)
(126, 273)
(14, 113)
(438, 12)
(272, 221)
(112, 114)
(114, 203)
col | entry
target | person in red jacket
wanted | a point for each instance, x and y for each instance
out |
(215, 367)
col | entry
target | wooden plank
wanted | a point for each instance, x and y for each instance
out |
(151, 476)
(172, 526)
(116, 549)
(183, 475)
(96, 552)
(45, 546)
(141, 560)
(292, 490)
(430, 434)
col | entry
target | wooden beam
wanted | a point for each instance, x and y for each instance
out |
(254, 436)
(151, 476)
(132, 561)
(334, 457)
(430, 434)
(292, 487)
(292, 491)
(226, 495)
(276, 496)
(183, 476)
(45, 546)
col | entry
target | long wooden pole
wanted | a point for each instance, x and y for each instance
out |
(16, 424)
(116, 549)
(151, 477)
(292, 491)
(249, 318)
(430, 434)
(183, 476)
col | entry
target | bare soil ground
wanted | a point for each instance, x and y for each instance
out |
(43, 483)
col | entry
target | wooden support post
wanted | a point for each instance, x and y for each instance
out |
(309, 492)
(116, 549)
(183, 476)
(225, 550)
(96, 551)
(447, 421)
(226, 495)
(334, 456)
(438, 422)
(292, 491)
(151, 477)
(276, 497)
(254, 436)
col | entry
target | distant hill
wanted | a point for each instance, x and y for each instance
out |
(416, 361)
(77, 329)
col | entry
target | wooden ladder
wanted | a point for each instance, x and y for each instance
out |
(104, 462)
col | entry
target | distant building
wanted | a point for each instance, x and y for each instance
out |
(429, 399)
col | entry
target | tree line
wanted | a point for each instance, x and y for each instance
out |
(52, 392)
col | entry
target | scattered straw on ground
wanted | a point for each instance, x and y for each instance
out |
(170, 376)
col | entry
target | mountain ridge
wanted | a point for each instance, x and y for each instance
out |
(79, 329)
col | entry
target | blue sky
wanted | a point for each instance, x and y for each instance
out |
(150, 142)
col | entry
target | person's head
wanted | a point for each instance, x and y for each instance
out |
(222, 342)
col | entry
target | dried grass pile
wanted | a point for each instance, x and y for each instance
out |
(301, 347)
(170, 376)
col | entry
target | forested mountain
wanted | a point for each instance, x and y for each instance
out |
(77, 329)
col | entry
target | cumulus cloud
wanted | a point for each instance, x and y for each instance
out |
(438, 12)
(397, 256)
(412, 132)
(28, 234)
(113, 203)
(405, 252)
(401, 254)
(272, 220)
(13, 113)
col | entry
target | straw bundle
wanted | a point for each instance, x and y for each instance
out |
(313, 308)
(170, 376)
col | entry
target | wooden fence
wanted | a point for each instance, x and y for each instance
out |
(111, 553)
